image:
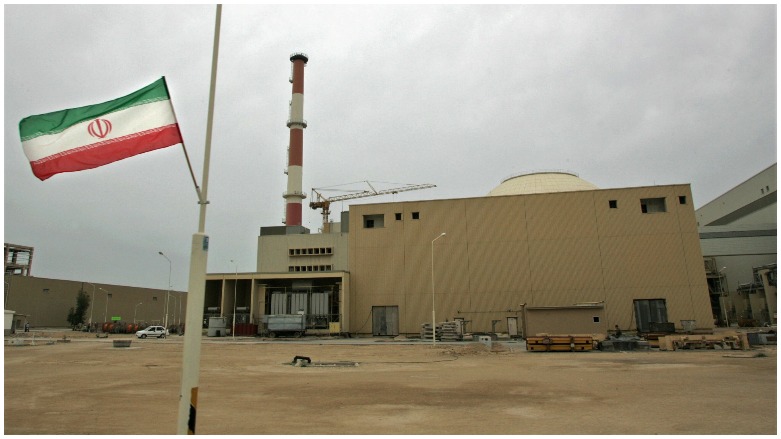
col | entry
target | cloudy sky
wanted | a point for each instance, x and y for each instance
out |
(455, 95)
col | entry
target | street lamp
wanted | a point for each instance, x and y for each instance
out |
(235, 283)
(723, 301)
(433, 314)
(105, 313)
(168, 293)
(91, 304)
(134, 311)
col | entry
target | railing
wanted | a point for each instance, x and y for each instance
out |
(301, 122)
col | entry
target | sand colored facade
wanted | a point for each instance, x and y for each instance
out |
(613, 246)
(44, 302)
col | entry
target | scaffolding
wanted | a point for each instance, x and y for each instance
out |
(18, 260)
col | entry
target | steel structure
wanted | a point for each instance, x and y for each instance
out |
(322, 202)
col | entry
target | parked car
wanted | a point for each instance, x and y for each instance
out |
(152, 331)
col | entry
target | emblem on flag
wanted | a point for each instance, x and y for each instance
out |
(99, 128)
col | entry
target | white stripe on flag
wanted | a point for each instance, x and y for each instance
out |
(124, 123)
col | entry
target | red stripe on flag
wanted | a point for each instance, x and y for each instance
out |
(103, 153)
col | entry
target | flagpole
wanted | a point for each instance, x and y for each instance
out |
(191, 357)
(184, 148)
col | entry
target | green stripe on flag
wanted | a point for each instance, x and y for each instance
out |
(58, 121)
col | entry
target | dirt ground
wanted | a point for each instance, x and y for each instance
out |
(248, 386)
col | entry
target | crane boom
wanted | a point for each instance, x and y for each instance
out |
(319, 201)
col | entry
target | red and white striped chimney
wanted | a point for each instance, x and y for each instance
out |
(295, 194)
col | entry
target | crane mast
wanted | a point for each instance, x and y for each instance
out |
(322, 202)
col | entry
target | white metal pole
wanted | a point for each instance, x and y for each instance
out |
(135, 311)
(91, 305)
(105, 313)
(433, 314)
(191, 352)
(235, 283)
(168, 293)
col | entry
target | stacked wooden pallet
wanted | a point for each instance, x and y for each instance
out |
(560, 343)
(426, 332)
(451, 331)
(724, 341)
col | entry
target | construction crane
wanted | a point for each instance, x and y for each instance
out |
(319, 201)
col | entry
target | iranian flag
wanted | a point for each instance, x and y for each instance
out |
(95, 135)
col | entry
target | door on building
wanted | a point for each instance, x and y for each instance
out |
(512, 327)
(385, 320)
(649, 311)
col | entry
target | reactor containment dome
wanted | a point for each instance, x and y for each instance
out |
(542, 183)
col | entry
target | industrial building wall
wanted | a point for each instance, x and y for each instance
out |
(302, 253)
(252, 291)
(751, 202)
(46, 302)
(540, 250)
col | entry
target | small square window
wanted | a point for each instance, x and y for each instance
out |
(154, 298)
(682, 199)
(613, 204)
(596, 319)
(415, 215)
(398, 217)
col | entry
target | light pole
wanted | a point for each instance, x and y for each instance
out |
(433, 314)
(235, 283)
(724, 302)
(135, 310)
(105, 313)
(168, 293)
(91, 304)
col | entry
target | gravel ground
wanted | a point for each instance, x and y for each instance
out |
(382, 386)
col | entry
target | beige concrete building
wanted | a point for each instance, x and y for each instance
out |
(44, 302)
(548, 242)
(634, 250)
(539, 240)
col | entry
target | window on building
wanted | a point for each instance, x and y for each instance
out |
(154, 298)
(653, 205)
(613, 204)
(373, 221)
(415, 215)
(682, 199)
(398, 216)
(596, 319)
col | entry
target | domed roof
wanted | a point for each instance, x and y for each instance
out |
(542, 183)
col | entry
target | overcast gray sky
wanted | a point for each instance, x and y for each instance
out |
(455, 95)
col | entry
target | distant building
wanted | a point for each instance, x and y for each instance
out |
(739, 245)
(44, 302)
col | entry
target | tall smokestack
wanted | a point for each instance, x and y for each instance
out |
(295, 194)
